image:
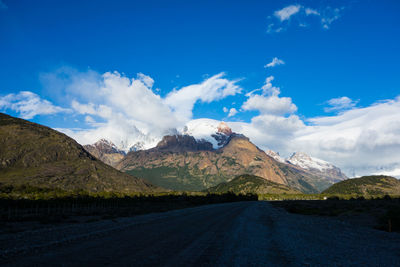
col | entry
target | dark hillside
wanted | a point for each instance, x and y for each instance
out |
(35, 155)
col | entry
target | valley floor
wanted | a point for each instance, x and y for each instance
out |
(230, 234)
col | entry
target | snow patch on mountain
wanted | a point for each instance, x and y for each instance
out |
(275, 156)
(107, 146)
(306, 162)
(213, 131)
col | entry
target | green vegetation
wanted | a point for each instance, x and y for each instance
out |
(178, 178)
(27, 203)
(30, 203)
(244, 184)
(366, 186)
(308, 184)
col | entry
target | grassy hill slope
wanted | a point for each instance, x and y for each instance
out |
(367, 185)
(35, 155)
(252, 184)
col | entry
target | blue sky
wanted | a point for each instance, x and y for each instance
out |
(330, 50)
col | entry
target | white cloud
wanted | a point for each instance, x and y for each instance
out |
(146, 80)
(135, 100)
(127, 110)
(232, 112)
(89, 120)
(394, 172)
(302, 14)
(270, 131)
(286, 12)
(212, 89)
(360, 140)
(269, 89)
(29, 105)
(310, 11)
(275, 62)
(340, 104)
(329, 15)
(269, 101)
(270, 105)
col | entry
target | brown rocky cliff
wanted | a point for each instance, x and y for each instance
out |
(209, 167)
(182, 143)
(106, 152)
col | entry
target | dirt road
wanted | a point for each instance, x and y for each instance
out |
(233, 234)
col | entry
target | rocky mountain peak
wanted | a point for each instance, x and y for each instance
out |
(239, 143)
(105, 151)
(182, 143)
(106, 146)
(275, 156)
(224, 128)
(300, 156)
(316, 166)
(224, 132)
(213, 131)
(304, 161)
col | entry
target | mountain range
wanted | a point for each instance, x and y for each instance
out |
(35, 155)
(215, 154)
(310, 164)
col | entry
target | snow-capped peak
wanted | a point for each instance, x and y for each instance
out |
(275, 156)
(105, 142)
(224, 128)
(213, 131)
(306, 162)
(106, 146)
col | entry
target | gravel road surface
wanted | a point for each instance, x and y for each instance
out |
(232, 234)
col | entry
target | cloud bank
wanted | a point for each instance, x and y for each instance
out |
(127, 111)
(361, 141)
(340, 103)
(29, 105)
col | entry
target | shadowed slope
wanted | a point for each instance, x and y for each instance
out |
(35, 155)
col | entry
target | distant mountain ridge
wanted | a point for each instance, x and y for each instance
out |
(106, 151)
(200, 133)
(209, 152)
(181, 162)
(312, 165)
